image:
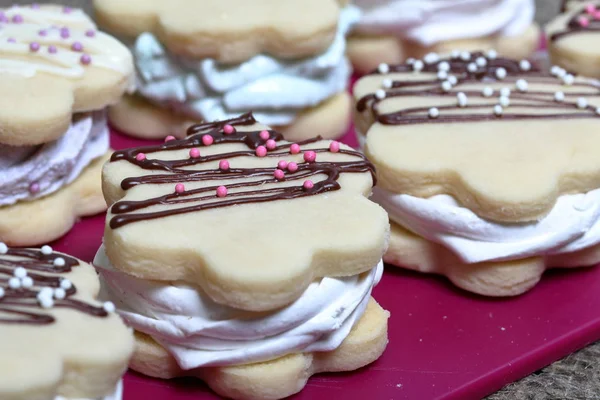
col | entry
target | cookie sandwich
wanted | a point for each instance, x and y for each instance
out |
(58, 75)
(392, 31)
(486, 165)
(243, 259)
(213, 60)
(58, 341)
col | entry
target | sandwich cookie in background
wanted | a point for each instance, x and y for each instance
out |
(243, 259)
(487, 166)
(573, 39)
(58, 342)
(391, 31)
(571, 4)
(58, 73)
(212, 60)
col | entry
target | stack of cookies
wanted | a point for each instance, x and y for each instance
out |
(244, 259)
(58, 75)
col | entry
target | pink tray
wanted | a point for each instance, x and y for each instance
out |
(444, 343)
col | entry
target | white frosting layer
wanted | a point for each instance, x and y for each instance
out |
(572, 225)
(432, 21)
(117, 395)
(276, 90)
(52, 165)
(199, 332)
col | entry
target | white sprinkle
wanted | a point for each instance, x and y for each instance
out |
(498, 110)
(418, 65)
(453, 80)
(446, 86)
(598, 110)
(522, 85)
(66, 284)
(481, 61)
(1, 292)
(524, 65)
(431, 58)
(442, 75)
(487, 91)
(559, 96)
(59, 293)
(504, 101)
(380, 94)
(455, 54)
(561, 73)
(434, 112)
(109, 307)
(45, 302)
(3, 248)
(554, 70)
(505, 92)
(462, 99)
(14, 283)
(465, 56)
(383, 68)
(27, 282)
(46, 292)
(20, 272)
(410, 60)
(568, 79)
(59, 262)
(472, 67)
(492, 54)
(582, 103)
(46, 250)
(444, 66)
(500, 73)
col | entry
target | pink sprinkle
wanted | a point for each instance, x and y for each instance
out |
(67, 10)
(12, 40)
(590, 8)
(292, 167)
(308, 185)
(221, 191)
(228, 129)
(52, 49)
(583, 21)
(295, 148)
(597, 15)
(194, 153)
(86, 59)
(34, 188)
(271, 145)
(34, 46)
(334, 146)
(279, 175)
(310, 156)
(140, 156)
(224, 165)
(282, 164)
(90, 33)
(207, 140)
(65, 33)
(179, 188)
(261, 151)
(17, 18)
(264, 135)
(77, 46)
(169, 138)
(43, 32)
(3, 18)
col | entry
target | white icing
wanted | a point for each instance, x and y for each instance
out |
(116, 395)
(276, 90)
(573, 224)
(432, 21)
(52, 165)
(199, 332)
(17, 58)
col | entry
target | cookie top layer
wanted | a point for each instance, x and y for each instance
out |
(48, 298)
(54, 63)
(248, 217)
(502, 137)
(230, 31)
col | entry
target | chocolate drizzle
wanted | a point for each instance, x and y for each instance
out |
(581, 21)
(471, 79)
(21, 305)
(249, 190)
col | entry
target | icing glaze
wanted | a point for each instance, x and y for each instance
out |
(276, 90)
(199, 332)
(30, 172)
(432, 21)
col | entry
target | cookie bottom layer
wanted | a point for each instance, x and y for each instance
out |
(30, 223)
(367, 52)
(502, 278)
(137, 117)
(278, 378)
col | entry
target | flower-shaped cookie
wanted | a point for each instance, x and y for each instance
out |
(54, 63)
(56, 339)
(229, 31)
(247, 216)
